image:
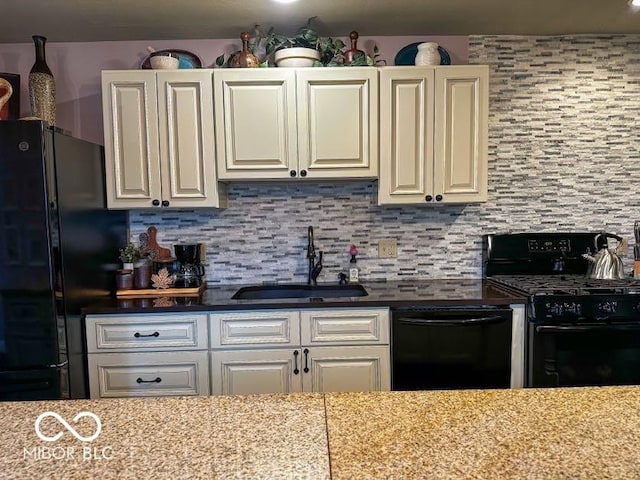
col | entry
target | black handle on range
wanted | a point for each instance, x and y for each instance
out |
(155, 380)
(586, 328)
(423, 322)
(140, 335)
(295, 362)
(306, 360)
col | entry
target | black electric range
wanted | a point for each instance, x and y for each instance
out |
(580, 331)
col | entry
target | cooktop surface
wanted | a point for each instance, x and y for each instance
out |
(567, 285)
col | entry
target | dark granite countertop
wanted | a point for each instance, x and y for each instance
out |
(380, 294)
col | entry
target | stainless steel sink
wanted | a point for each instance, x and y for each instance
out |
(262, 292)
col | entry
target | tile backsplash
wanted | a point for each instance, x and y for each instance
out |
(564, 154)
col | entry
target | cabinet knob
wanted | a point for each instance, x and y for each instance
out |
(155, 203)
(165, 203)
(438, 198)
(293, 173)
(303, 173)
(428, 198)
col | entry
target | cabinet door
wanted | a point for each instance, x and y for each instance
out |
(255, 123)
(245, 372)
(135, 333)
(345, 326)
(147, 374)
(346, 369)
(461, 119)
(129, 102)
(406, 134)
(187, 146)
(253, 329)
(338, 122)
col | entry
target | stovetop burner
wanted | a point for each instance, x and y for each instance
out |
(567, 285)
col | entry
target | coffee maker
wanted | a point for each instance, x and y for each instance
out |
(190, 271)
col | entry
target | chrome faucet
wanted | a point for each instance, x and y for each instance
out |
(314, 268)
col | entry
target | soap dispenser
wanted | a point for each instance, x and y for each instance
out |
(354, 271)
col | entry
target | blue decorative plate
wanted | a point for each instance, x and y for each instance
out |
(407, 55)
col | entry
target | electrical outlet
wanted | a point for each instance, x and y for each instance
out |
(388, 248)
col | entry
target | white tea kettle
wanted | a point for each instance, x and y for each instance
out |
(606, 264)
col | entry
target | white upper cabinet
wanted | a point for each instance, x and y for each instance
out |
(433, 134)
(159, 142)
(338, 122)
(256, 123)
(314, 123)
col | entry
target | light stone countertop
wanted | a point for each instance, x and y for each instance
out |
(589, 433)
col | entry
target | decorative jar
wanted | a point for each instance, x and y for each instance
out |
(428, 54)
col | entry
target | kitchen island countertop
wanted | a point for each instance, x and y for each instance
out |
(529, 433)
(446, 292)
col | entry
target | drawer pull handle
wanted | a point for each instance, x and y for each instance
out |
(155, 380)
(306, 360)
(140, 335)
(295, 362)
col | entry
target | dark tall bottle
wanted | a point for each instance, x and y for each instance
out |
(42, 86)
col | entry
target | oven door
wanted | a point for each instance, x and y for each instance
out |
(582, 355)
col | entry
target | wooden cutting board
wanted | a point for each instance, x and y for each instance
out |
(156, 251)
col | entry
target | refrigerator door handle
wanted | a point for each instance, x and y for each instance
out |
(55, 366)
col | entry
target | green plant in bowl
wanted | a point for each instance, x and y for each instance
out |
(265, 44)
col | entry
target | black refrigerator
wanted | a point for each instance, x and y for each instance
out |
(58, 253)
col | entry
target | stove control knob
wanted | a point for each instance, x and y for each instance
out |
(573, 308)
(607, 307)
(554, 309)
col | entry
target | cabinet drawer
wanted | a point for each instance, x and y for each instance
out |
(148, 374)
(237, 330)
(345, 326)
(146, 332)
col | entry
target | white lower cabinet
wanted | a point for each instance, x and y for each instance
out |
(148, 374)
(347, 369)
(243, 372)
(329, 350)
(147, 355)
(238, 352)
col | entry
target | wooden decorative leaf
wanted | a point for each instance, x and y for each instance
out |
(162, 279)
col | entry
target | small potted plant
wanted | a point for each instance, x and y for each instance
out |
(129, 254)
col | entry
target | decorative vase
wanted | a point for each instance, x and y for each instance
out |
(42, 86)
(6, 90)
(244, 59)
(428, 54)
(353, 52)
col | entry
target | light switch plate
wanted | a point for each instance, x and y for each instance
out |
(387, 248)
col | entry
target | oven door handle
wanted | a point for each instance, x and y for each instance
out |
(424, 322)
(585, 328)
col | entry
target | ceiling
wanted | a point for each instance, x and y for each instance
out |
(97, 20)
